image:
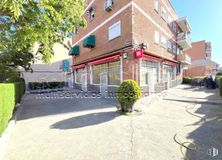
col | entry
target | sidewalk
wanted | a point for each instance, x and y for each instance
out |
(86, 129)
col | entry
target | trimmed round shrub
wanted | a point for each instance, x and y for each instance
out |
(128, 93)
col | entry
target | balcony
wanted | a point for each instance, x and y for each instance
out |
(184, 24)
(208, 48)
(184, 41)
(184, 58)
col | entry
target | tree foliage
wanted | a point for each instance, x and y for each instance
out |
(26, 22)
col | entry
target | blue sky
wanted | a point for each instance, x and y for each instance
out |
(205, 17)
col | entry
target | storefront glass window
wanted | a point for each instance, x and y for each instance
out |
(146, 67)
(113, 72)
(78, 75)
(171, 70)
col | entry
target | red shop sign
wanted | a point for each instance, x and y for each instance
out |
(138, 54)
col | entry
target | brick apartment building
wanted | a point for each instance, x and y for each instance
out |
(143, 40)
(201, 63)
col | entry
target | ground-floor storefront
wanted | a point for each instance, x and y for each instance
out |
(105, 74)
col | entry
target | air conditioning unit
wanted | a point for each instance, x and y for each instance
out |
(108, 6)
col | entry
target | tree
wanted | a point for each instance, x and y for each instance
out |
(26, 22)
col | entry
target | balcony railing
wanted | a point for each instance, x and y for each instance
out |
(184, 58)
(184, 41)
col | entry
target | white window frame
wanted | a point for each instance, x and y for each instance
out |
(91, 74)
(163, 41)
(116, 35)
(156, 5)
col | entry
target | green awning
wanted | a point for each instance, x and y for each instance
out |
(89, 42)
(74, 51)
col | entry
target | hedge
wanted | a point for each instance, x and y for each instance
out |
(219, 75)
(45, 85)
(220, 86)
(10, 94)
(187, 80)
(217, 80)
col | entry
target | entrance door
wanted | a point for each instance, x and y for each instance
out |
(84, 81)
(151, 83)
(103, 83)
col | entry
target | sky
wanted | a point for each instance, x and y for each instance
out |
(205, 18)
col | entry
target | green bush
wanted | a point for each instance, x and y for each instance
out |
(45, 85)
(220, 86)
(187, 80)
(219, 75)
(10, 94)
(128, 93)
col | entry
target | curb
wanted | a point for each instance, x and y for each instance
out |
(198, 101)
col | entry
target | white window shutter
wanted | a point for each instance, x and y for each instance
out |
(156, 5)
(157, 37)
(115, 30)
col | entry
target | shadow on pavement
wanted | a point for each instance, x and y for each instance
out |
(33, 107)
(207, 133)
(85, 120)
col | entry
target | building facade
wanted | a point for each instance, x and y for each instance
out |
(130, 39)
(201, 62)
